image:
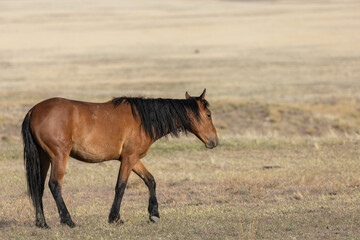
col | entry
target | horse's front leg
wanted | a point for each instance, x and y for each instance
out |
(149, 180)
(127, 164)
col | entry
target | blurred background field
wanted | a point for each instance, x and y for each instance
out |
(282, 78)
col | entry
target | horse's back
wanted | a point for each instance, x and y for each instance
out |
(61, 112)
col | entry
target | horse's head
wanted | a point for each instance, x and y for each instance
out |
(202, 125)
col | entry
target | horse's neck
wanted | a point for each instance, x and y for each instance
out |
(168, 131)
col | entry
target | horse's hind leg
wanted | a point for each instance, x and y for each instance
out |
(149, 180)
(58, 166)
(44, 167)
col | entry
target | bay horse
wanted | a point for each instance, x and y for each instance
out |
(121, 129)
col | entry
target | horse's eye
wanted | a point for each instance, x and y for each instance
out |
(208, 115)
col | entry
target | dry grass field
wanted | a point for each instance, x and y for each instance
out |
(283, 81)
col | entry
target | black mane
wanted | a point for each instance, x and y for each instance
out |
(161, 116)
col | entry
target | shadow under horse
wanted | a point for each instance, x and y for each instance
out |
(121, 129)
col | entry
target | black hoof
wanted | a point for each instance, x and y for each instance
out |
(42, 225)
(119, 222)
(68, 222)
(115, 220)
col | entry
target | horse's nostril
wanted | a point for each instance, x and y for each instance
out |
(212, 144)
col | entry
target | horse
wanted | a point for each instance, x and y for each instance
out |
(121, 129)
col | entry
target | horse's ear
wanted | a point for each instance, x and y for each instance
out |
(202, 96)
(187, 95)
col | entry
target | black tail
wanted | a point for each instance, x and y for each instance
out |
(31, 162)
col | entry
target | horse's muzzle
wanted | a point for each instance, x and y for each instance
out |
(212, 144)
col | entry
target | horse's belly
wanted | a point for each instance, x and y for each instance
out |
(93, 153)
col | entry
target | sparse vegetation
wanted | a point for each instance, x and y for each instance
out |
(284, 100)
(225, 192)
